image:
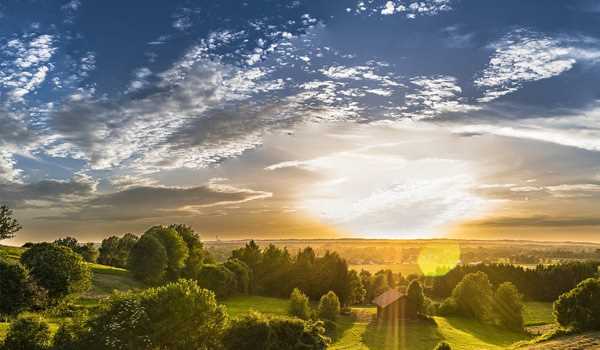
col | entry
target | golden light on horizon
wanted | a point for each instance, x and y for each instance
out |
(437, 259)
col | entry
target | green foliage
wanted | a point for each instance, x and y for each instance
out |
(255, 331)
(114, 251)
(69, 242)
(242, 274)
(579, 308)
(9, 226)
(88, 252)
(329, 306)
(17, 291)
(71, 335)
(57, 269)
(175, 246)
(508, 306)
(299, 305)
(148, 260)
(356, 290)
(443, 346)
(474, 296)
(28, 334)
(219, 279)
(415, 300)
(177, 316)
(448, 307)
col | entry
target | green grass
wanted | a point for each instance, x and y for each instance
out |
(238, 306)
(11, 253)
(106, 279)
(405, 269)
(537, 313)
(361, 332)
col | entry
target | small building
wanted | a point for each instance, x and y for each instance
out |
(391, 305)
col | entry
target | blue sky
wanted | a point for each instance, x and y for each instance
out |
(300, 118)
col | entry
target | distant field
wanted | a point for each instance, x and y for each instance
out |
(405, 269)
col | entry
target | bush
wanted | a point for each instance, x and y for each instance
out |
(508, 306)
(329, 306)
(28, 334)
(255, 331)
(448, 307)
(443, 346)
(579, 308)
(71, 335)
(17, 291)
(177, 316)
(57, 269)
(474, 297)
(148, 260)
(299, 305)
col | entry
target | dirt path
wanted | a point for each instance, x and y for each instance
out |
(584, 341)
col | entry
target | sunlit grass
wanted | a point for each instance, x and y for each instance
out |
(238, 306)
(537, 313)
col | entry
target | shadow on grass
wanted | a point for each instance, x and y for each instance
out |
(402, 334)
(489, 334)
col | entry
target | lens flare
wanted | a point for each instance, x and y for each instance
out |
(437, 259)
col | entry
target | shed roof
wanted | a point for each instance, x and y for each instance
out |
(388, 297)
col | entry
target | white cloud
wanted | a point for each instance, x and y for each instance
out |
(433, 96)
(523, 56)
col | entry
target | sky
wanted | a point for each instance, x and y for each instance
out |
(302, 119)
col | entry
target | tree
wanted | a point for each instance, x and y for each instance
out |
(329, 306)
(175, 246)
(9, 226)
(28, 334)
(69, 242)
(474, 296)
(219, 279)
(299, 305)
(508, 306)
(415, 300)
(177, 316)
(256, 331)
(196, 253)
(17, 291)
(242, 274)
(443, 346)
(88, 252)
(57, 269)
(579, 308)
(356, 290)
(148, 260)
(114, 251)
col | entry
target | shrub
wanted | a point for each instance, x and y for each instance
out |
(508, 306)
(579, 308)
(17, 291)
(448, 307)
(71, 335)
(255, 331)
(329, 306)
(177, 316)
(58, 269)
(299, 305)
(443, 346)
(473, 296)
(148, 260)
(28, 334)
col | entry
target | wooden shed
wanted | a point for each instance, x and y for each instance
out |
(391, 305)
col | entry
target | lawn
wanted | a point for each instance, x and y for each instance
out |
(361, 332)
(237, 306)
(537, 313)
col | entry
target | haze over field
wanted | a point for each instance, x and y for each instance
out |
(302, 119)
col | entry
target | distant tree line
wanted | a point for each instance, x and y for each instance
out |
(543, 283)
